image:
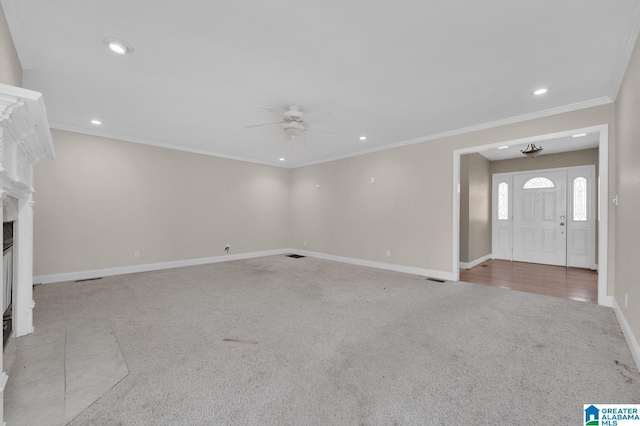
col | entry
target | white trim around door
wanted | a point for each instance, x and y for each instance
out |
(578, 226)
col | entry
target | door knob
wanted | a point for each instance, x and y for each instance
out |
(561, 223)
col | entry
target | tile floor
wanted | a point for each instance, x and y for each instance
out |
(59, 370)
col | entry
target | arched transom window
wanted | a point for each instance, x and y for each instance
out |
(538, 182)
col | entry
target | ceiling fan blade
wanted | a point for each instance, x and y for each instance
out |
(262, 124)
(322, 128)
(316, 115)
(273, 110)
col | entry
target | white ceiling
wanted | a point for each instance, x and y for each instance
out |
(394, 71)
(553, 146)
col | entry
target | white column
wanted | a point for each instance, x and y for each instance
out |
(3, 375)
(23, 319)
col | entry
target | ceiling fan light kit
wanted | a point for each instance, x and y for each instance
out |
(532, 150)
(295, 122)
(293, 129)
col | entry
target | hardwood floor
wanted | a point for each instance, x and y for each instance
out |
(568, 283)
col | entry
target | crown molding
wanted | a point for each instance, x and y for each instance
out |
(14, 22)
(484, 126)
(143, 141)
(492, 124)
(633, 28)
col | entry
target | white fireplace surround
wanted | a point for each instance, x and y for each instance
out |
(25, 140)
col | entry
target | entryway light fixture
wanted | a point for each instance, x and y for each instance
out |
(532, 150)
(118, 46)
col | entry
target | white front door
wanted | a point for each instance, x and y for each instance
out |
(540, 217)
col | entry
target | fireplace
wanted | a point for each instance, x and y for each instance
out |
(7, 282)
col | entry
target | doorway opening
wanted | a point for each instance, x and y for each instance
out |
(535, 220)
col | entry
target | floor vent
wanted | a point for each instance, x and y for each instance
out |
(295, 256)
(88, 279)
(435, 280)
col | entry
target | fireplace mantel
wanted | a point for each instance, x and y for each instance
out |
(25, 140)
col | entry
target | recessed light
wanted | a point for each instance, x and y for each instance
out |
(503, 147)
(579, 135)
(541, 91)
(118, 46)
(281, 159)
(96, 122)
(363, 138)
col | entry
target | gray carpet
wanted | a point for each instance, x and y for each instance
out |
(341, 344)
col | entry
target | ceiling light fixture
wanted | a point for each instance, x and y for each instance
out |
(293, 129)
(363, 138)
(503, 147)
(541, 91)
(579, 135)
(281, 159)
(118, 46)
(96, 122)
(532, 150)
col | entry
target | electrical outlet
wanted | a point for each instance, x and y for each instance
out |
(388, 253)
(136, 254)
(305, 243)
(626, 301)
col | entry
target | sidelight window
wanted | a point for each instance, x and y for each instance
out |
(503, 201)
(580, 199)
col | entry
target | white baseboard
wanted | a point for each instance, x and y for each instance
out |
(97, 273)
(631, 340)
(442, 275)
(606, 301)
(469, 265)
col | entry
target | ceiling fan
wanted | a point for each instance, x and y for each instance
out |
(294, 122)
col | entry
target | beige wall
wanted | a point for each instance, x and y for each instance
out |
(102, 199)
(409, 210)
(628, 183)
(10, 69)
(475, 207)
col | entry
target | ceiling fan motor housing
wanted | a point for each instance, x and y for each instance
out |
(293, 114)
